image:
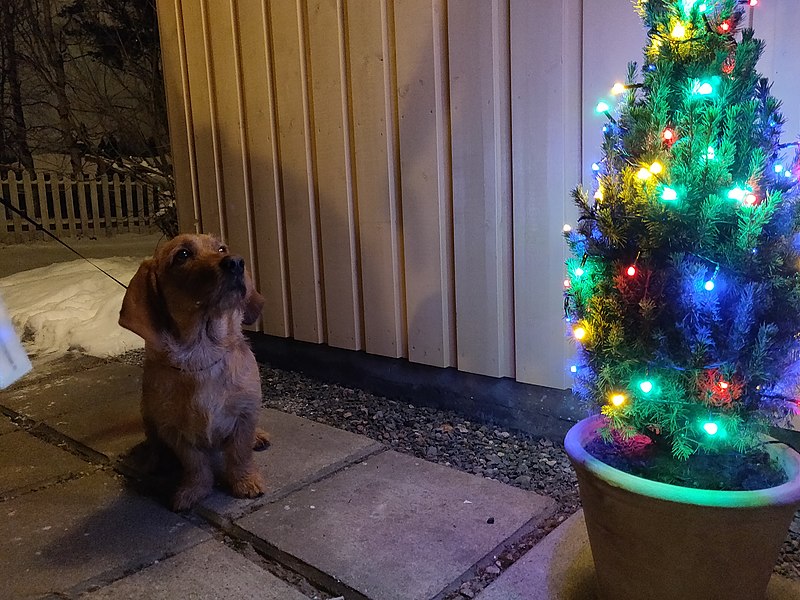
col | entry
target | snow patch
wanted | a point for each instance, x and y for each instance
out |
(71, 306)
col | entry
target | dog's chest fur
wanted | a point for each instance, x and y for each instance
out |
(201, 407)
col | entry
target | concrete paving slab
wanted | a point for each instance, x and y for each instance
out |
(51, 368)
(83, 533)
(560, 567)
(74, 392)
(27, 462)
(301, 451)
(395, 527)
(6, 426)
(208, 571)
(112, 425)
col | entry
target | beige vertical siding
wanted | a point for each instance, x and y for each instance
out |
(426, 175)
(777, 23)
(397, 172)
(260, 130)
(360, 154)
(176, 80)
(287, 24)
(333, 174)
(546, 160)
(480, 104)
(369, 30)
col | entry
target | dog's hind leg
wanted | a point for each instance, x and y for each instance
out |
(261, 440)
(240, 472)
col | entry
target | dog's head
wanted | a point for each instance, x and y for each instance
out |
(191, 280)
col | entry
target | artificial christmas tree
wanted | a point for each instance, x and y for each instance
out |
(684, 291)
(684, 298)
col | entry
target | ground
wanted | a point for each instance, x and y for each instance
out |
(73, 307)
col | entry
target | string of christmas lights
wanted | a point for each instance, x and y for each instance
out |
(682, 259)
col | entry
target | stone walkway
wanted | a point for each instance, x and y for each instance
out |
(343, 516)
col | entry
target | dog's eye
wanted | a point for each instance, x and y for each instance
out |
(222, 249)
(181, 256)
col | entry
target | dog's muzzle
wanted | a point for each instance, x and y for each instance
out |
(233, 268)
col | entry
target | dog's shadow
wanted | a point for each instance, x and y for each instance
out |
(130, 523)
(155, 471)
(98, 529)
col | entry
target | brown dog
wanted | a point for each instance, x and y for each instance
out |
(201, 387)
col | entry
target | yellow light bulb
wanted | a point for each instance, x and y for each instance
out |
(617, 399)
(567, 228)
(644, 174)
(618, 89)
(579, 333)
(656, 168)
(679, 31)
(598, 195)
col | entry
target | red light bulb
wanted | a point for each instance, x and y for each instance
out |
(725, 26)
(668, 135)
(631, 271)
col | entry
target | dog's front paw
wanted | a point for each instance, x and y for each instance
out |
(250, 485)
(187, 496)
(261, 441)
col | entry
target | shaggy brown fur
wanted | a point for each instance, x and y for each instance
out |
(201, 390)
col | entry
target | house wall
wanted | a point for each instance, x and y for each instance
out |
(397, 172)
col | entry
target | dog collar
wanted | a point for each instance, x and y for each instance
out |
(200, 370)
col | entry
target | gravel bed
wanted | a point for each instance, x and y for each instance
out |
(515, 458)
(439, 436)
(445, 437)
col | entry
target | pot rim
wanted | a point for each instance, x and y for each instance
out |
(784, 494)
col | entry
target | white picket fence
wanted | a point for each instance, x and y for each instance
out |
(82, 207)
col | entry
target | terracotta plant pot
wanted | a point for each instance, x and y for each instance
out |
(658, 541)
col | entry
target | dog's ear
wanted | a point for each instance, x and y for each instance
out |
(142, 311)
(253, 301)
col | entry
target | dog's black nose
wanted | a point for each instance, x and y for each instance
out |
(232, 264)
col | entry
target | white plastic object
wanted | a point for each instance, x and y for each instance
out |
(14, 362)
